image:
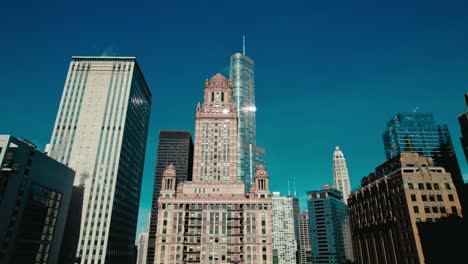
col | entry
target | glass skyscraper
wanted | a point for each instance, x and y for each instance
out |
(100, 132)
(241, 75)
(418, 132)
(463, 120)
(330, 237)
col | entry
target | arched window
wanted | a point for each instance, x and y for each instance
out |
(222, 97)
(212, 96)
(163, 254)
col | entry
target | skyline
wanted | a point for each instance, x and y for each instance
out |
(408, 50)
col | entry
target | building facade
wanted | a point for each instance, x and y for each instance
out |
(463, 120)
(305, 254)
(385, 211)
(174, 147)
(284, 237)
(330, 238)
(35, 193)
(419, 133)
(100, 132)
(242, 75)
(211, 219)
(340, 174)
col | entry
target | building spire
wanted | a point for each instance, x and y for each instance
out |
(243, 44)
(294, 179)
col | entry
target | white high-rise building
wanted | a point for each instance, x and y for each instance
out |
(340, 174)
(284, 240)
(100, 132)
(142, 248)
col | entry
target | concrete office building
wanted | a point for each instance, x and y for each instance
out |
(305, 254)
(284, 237)
(211, 219)
(35, 193)
(340, 174)
(385, 211)
(100, 132)
(142, 248)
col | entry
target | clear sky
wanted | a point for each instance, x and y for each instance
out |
(327, 72)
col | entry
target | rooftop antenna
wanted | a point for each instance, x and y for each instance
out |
(289, 189)
(243, 44)
(294, 179)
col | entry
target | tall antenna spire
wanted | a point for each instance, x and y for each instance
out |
(294, 178)
(243, 44)
(289, 189)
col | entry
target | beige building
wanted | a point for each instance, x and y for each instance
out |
(384, 213)
(211, 219)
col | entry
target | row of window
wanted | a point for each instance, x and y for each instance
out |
(435, 209)
(429, 186)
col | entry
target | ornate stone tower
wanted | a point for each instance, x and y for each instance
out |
(212, 219)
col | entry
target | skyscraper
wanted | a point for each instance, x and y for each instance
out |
(284, 238)
(463, 120)
(305, 255)
(211, 219)
(340, 174)
(35, 193)
(418, 132)
(250, 156)
(330, 237)
(174, 147)
(384, 213)
(100, 132)
(142, 248)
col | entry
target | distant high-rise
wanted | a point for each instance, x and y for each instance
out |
(340, 174)
(330, 237)
(418, 132)
(142, 248)
(35, 193)
(211, 219)
(463, 120)
(384, 213)
(100, 132)
(174, 147)
(305, 255)
(242, 75)
(284, 239)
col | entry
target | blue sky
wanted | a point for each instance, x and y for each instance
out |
(327, 72)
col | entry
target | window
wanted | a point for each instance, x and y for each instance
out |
(429, 186)
(443, 210)
(421, 186)
(447, 186)
(410, 186)
(435, 209)
(439, 198)
(454, 210)
(418, 220)
(416, 209)
(427, 209)
(450, 197)
(424, 198)
(431, 198)
(413, 197)
(436, 186)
